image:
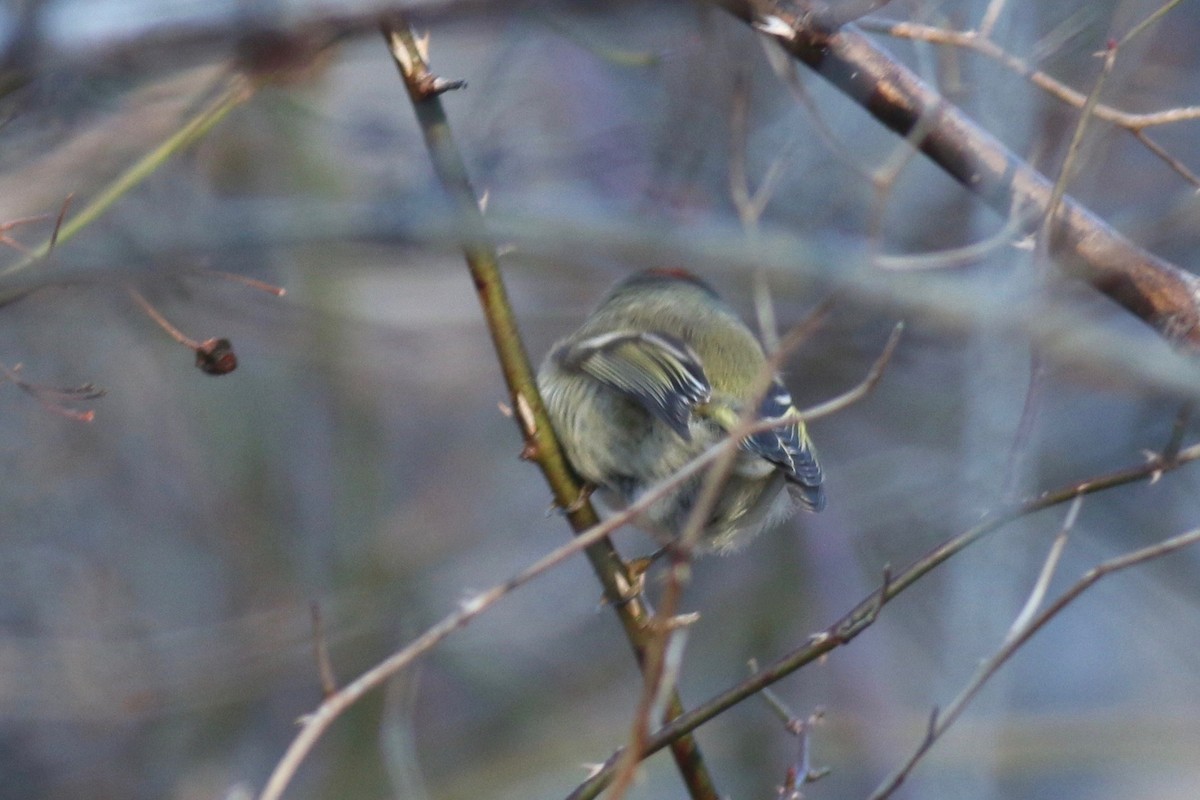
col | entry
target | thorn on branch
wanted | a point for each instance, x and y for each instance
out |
(58, 222)
(931, 729)
(412, 57)
(525, 412)
(880, 596)
(585, 494)
(430, 85)
(775, 26)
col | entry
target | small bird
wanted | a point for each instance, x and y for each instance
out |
(657, 374)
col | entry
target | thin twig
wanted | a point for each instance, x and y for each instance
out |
(990, 16)
(1150, 19)
(954, 257)
(54, 398)
(1064, 175)
(976, 42)
(864, 614)
(5, 227)
(801, 771)
(214, 356)
(1019, 635)
(865, 387)
(162, 322)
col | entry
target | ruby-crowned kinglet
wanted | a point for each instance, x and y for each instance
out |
(656, 375)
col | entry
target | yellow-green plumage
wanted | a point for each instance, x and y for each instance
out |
(656, 375)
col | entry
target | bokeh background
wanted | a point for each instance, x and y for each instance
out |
(158, 564)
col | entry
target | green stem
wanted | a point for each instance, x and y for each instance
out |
(239, 91)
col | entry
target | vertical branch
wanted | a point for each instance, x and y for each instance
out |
(541, 446)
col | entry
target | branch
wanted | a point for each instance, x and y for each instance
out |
(1157, 291)
(540, 443)
(864, 614)
(978, 43)
(1022, 632)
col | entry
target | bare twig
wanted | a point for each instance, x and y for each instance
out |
(253, 283)
(990, 16)
(1023, 629)
(1170, 160)
(5, 227)
(865, 387)
(883, 180)
(1064, 176)
(53, 398)
(978, 42)
(750, 203)
(58, 222)
(864, 614)
(1149, 20)
(801, 771)
(1008, 235)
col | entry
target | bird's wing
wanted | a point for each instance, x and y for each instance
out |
(788, 446)
(656, 370)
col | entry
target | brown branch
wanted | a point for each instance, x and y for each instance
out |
(1159, 292)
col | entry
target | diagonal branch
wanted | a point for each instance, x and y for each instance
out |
(1022, 632)
(863, 615)
(1159, 292)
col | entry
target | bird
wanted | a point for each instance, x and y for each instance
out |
(657, 374)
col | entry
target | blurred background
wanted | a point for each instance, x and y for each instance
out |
(159, 563)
